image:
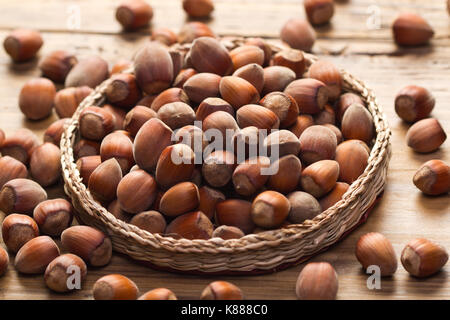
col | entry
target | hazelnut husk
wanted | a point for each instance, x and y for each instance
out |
(36, 98)
(68, 99)
(57, 64)
(158, 294)
(45, 164)
(235, 213)
(18, 229)
(22, 44)
(53, 216)
(414, 103)
(151, 221)
(299, 34)
(411, 29)
(433, 178)
(425, 136)
(21, 196)
(317, 281)
(222, 290)
(134, 14)
(201, 86)
(193, 225)
(317, 143)
(10, 169)
(90, 71)
(60, 269)
(276, 78)
(115, 287)
(303, 207)
(104, 180)
(35, 255)
(311, 95)
(270, 209)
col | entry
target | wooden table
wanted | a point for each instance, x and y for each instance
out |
(403, 214)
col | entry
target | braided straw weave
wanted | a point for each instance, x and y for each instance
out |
(262, 252)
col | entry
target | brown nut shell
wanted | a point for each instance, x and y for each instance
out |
(90, 71)
(433, 178)
(352, 156)
(68, 99)
(222, 290)
(53, 216)
(426, 135)
(181, 198)
(18, 229)
(320, 177)
(104, 180)
(35, 255)
(36, 98)
(317, 143)
(236, 213)
(209, 55)
(299, 34)
(414, 103)
(270, 209)
(334, 195)
(151, 221)
(45, 164)
(57, 64)
(22, 44)
(10, 169)
(317, 281)
(115, 287)
(411, 29)
(58, 273)
(193, 225)
(303, 207)
(238, 91)
(134, 14)
(175, 164)
(311, 95)
(136, 192)
(158, 294)
(21, 196)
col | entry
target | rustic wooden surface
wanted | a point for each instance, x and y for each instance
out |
(403, 214)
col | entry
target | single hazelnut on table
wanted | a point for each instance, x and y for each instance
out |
(317, 281)
(4, 261)
(302, 122)
(123, 91)
(45, 164)
(319, 11)
(54, 132)
(317, 143)
(222, 290)
(423, 258)
(119, 146)
(334, 195)
(209, 198)
(209, 55)
(158, 294)
(303, 207)
(250, 176)
(329, 74)
(57, 64)
(53, 216)
(175, 164)
(238, 91)
(320, 177)
(218, 168)
(193, 30)
(136, 192)
(311, 95)
(35, 255)
(283, 142)
(425, 136)
(57, 273)
(235, 213)
(410, 29)
(120, 66)
(292, 59)
(375, 249)
(288, 171)
(115, 287)
(18, 229)
(198, 8)
(134, 14)
(104, 180)
(136, 118)
(253, 115)
(414, 103)
(253, 73)
(10, 169)
(263, 45)
(36, 98)
(22, 44)
(352, 156)
(176, 114)
(357, 123)
(276, 78)
(67, 100)
(164, 35)
(246, 54)
(168, 96)
(270, 209)
(283, 105)
(90, 244)
(299, 34)
(433, 178)
(193, 225)
(90, 71)
(96, 123)
(228, 232)
(151, 221)
(87, 165)
(345, 101)
(201, 86)
(181, 198)
(21, 196)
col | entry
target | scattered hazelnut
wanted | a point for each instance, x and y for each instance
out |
(317, 281)
(45, 164)
(120, 66)
(284, 141)
(115, 209)
(119, 146)
(136, 118)
(210, 105)
(165, 36)
(158, 294)
(299, 34)
(319, 11)
(425, 136)
(19, 145)
(35, 255)
(222, 290)
(198, 8)
(96, 123)
(175, 164)
(302, 122)
(283, 105)
(21, 196)
(57, 64)
(263, 45)
(336, 131)
(115, 287)
(246, 54)
(414, 103)
(61, 268)
(54, 131)
(345, 101)
(209, 55)
(176, 114)
(193, 30)
(22, 44)
(249, 177)
(87, 165)
(228, 232)
(209, 198)
(53, 216)
(433, 177)
(36, 98)
(253, 115)
(10, 169)
(4, 261)
(183, 76)
(18, 229)
(411, 29)
(123, 91)
(221, 121)
(68, 99)
(287, 176)
(134, 14)
(218, 168)
(90, 71)
(168, 96)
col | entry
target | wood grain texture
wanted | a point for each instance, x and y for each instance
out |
(403, 214)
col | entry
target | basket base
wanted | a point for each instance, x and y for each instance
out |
(262, 271)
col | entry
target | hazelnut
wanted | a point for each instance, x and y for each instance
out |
(352, 156)
(284, 141)
(193, 137)
(283, 105)
(87, 165)
(176, 115)
(90, 72)
(317, 281)
(270, 209)
(221, 121)
(235, 213)
(96, 123)
(18, 229)
(317, 143)
(276, 78)
(302, 122)
(34, 256)
(411, 29)
(198, 8)
(168, 96)
(201, 86)
(90, 244)
(375, 249)
(136, 192)
(414, 103)
(257, 116)
(253, 73)
(54, 132)
(357, 123)
(193, 225)
(209, 55)
(299, 34)
(4, 261)
(45, 164)
(327, 72)
(151, 221)
(209, 198)
(57, 64)
(249, 176)
(136, 118)
(193, 30)
(115, 287)
(423, 258)
(183, 76)
(246, 143)
(292, 59)
(175, 164)
(210, 105)
(158, 294)
(336, 131)
(263, 45)
(218, 168)
(118, 116)
(319, 11)
(68, 99)
(181, 198)
(119, 146)
(147, 100)
(165, 36)
(19, 145)
(115, 209)
(36, 98)
(433, 177)
(303, 207)
(228, 232)
(345, 101)
(326, 116)
(287, 176)
(22, 44)
(10, 169)
(311, 95)
(120, 66)
(134, 14)
(334, 195)
(222, 290)
(61, 268)
(425, 136)
(246, 54)
(238, 91)
(320, 177)
(123, 91)
(104, 180)
(53, 216)
(21, 196)
(86, 148)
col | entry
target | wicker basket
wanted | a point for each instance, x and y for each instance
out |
(255, 253)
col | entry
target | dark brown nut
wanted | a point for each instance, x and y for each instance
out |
(90, 244)
(165, 36)
(320, 177)
(57, 64)
(228, 232)
(425, 136)
(181, 198)
(60, 269)
(253, 115)
(54, 131)
(326, 116)
(21, 196)
(18, 229)
(303, 121)
(151, 221)
(277, 78)
(96, 123)
(209, 198)
(311, 95)
(222, 290)
(218, 168)
(317, 143)
(136, 118)
(119, 115)
(153, 137)
(53, 216)
(235, 213)
(115, 209)
(87, 165)
(168, 96)
(19, 145)
(433, 178)
(221, 121)
(153, 68)
(238, 91)
(246, 142)
(317, 281)
(120, 66)
(193, 225)
(283, 105)
(119, 146)
(35, 255)
(209, 55)
(45, 164)
(292, 59)
(10, 169)
(287, 177)
(68, 99)
(283, 142)
(201, 86)
(210, 105)
(4, 261)
(263, 45)
(270, 209)
(36, 98)
(357, 123)
(414, 103)
(336, 131)
(352, 156)
(115, 287)
(90, 72)
(136, 192)
(249, 176)
(327, 72)
(345, 101)
(303, 207)
(104, 180)
(319, 11)
(22, 44)
(193, 30)
(175, 164)
(299, 34)
(122, 90)
(183, 76)
(334, 195)
(134, 14)
(411, 29)
(86, 148)
(246, 54)
(253, 73)
(176, 115)
(198, 8)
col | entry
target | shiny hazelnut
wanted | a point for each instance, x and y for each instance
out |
(118, 113)
(22, 44)
(54, 132)
(410, 29)
(414, 103)
(134, 14)
(303, 207)
(292, 59)
(45, 164)
(193, 225)
(121, 66)
(191, 136)
(202, 85)
(85, 148)
(249, 176)
(198, 8)
(176, 115)
(175, 164)
(165, 36)
(270, 209)
(345, 101)
(319, 11)
(10, 169)
(253, 73)
(96, 123)
(21, 196)
(210, 105)
(115, 287)
(238, 91)
(36, 98)
(87, 165)
(35, 255)
(136, 192)
(282, 142)
(209, 55)
(320, 177)
(68, 99)
(263, 45)
(136, 118)
(158, 294)
(221, 121)
(18, 229)
(299, 34)
(193, 30)
(425, 136)
(58, 272)
(246, 54)
(222, 290)
(327, 72)
(123, 91)
(19, 145)
(151, 221)
(209, 198)
(57, 64)
(104, 180)
(352, 156)
(317, 281)
(357, 123)
(168, 96)
(53, 216)
(90, 71)
(317, 143)
(311, 95)
(183, 76)
(119, 146)
(334, 195)
(235, 213)
(253, 115)
(433, 177)
(276, 78)
(181, 198)
(227, 232)
(302, 122)
(287, 176)
(283, 105)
